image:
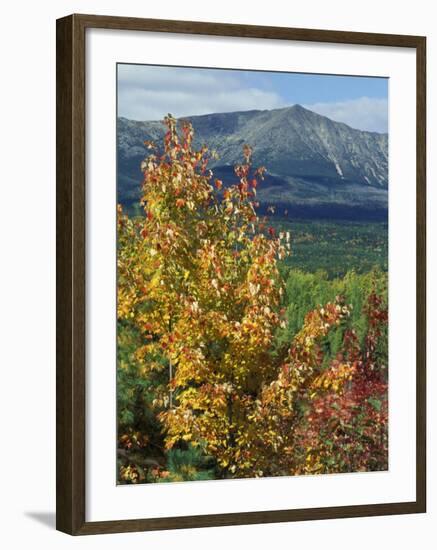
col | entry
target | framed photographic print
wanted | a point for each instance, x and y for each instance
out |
(240, 274)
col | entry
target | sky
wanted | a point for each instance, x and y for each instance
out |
(147, 92)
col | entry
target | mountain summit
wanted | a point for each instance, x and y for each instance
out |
(311, 160)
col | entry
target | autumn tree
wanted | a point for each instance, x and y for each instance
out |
(199, 277)
(323, 417)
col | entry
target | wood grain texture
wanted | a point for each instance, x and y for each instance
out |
(64, 508)
(421, 274)
(71, 279)
(246, 31)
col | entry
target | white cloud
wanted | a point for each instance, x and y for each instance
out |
(149, 93)
(159, 78)
(364, 113)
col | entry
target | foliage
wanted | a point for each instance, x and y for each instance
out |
(307, 291)
(219, 375)
(323, 418)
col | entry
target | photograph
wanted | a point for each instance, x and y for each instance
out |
(216, 307)
(252, 274)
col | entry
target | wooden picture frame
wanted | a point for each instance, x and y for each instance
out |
(71, 274)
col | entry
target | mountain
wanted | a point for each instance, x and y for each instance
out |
(315, 166)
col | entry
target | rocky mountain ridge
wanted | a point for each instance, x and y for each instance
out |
(312, 161)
